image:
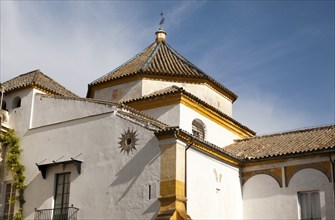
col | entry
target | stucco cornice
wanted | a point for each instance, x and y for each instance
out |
(284, 158)
(180, 96)
(203, 146)
(145, 76)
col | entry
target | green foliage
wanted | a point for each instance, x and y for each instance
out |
(12, 143)
(18, 215)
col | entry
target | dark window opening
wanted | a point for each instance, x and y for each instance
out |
(62, 196)
(17, 102)
(4, 105)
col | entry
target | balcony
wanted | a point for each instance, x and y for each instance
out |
(69, 213)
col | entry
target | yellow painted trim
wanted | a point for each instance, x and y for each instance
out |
(43, 90)
(189, 80)
(166, 100)
(172, 191)
(218, 155)
(141, 76)
(165, 136)
(275, 173)
(273, 161)
(260, 163)
(172, 187)
(323, 166)
(214, 116)
(114, 82)
(210, 151)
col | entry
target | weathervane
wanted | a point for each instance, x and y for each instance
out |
(162, 20)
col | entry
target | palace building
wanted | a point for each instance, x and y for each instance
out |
(155, 139)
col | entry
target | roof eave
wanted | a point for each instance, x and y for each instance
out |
(182, 92)
(203, 146)
(329, 150)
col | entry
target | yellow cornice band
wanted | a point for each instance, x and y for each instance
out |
(180, 98)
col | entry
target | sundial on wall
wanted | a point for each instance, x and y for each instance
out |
(128, 141)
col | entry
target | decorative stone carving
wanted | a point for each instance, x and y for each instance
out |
(128, 141)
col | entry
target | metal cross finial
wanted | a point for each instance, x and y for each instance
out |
(162, 20)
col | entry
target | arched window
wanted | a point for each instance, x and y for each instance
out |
(198, 129)
(17, 102)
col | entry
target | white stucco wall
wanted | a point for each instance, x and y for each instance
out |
(263, 198)
(202, 91)
(121, 92)
(169, 114)
(214, 132)
(20, 117)
(112, 185)
(183, 116)
(213, 188)
(61, 110)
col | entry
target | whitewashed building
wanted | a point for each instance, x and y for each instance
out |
(155, 139)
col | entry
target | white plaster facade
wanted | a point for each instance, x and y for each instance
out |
(121, 92)
(264, 198)
(170, 171)
(220, 196)
(182, 116)
(138, 88)
(202, 91)
(116, 184)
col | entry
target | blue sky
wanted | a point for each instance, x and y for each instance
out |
(277, 56)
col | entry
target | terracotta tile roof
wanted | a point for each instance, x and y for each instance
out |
(39, 80)
(161, 59)
(284, 144)
(175, 90)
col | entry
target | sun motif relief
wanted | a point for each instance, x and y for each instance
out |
(128, 141)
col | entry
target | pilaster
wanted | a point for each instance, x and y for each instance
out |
(172, 180)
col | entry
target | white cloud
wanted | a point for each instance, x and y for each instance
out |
(71, 51)
(77, 42)
(182, 11)
(268, 113)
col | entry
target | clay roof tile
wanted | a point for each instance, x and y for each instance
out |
(38, 80)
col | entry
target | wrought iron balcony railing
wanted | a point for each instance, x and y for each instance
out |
(69, 213)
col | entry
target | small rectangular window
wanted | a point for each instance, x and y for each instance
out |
(152, 191)
(309, 205)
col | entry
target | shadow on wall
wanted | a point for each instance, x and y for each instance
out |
(39, 193)
(264, 186)
(154, 207)
(135, 167)
(262, 192)
(39, 190)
